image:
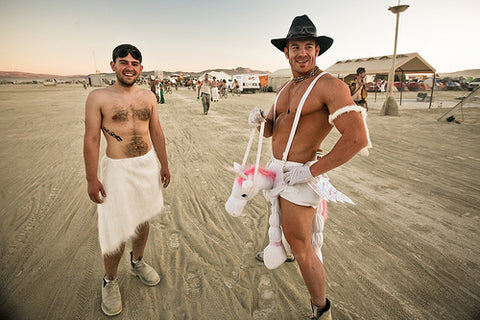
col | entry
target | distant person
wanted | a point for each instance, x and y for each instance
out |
(383, 82)
(128, 193)
(204, 88)
(153, 87)
(235, 86)
(358, 89)
(84, 82)
(326, 102)
(223, 87)
(160, 92)
(215, 85)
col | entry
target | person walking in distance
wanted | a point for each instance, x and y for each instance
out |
(134, 168)
(312, 102)
(204, 88)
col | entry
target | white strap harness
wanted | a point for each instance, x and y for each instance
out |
(297, 114)
(292, 132)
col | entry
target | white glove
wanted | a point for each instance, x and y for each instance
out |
(294, 175)
(256, 117)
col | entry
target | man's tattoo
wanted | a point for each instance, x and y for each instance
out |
(111, 133)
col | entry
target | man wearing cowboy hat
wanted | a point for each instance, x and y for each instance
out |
(324, 102)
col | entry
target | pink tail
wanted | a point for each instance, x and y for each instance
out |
(324, 210)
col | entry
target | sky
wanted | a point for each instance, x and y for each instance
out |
(77, 37)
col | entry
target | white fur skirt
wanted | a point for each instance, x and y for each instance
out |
(134, 195)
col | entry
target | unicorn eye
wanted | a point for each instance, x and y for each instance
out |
(244, 195)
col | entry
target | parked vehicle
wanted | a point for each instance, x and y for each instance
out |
(401, 86)
(248, 82)
(373, 87)
(414, 86)
(473, 84)
(50, 82)
(452, 85)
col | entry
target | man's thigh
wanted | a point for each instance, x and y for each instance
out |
(296, 220)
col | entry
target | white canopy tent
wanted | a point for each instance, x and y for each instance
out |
(278, 78)
(407, 63)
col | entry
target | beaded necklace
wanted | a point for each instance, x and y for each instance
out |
(311, 74)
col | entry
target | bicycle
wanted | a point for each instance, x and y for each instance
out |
(223, 93)
(235, 91)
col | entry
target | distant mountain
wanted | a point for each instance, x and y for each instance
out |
(231, 72)
(471, 73)
(23, 76)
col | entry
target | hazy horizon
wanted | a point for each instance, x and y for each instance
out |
(68, 38)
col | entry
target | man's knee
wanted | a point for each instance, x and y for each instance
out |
(301, 249)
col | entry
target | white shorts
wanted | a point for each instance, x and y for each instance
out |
(301, 194)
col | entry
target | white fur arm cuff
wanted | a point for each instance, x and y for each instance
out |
(339, 112)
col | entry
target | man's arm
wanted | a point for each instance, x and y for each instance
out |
(350, 125)
(269, 120)
(91, 146)
(158, 141)
(199, 86)
(268, 131)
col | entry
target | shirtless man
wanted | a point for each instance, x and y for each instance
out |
(204, 88)
(358, 88)
(329, 103)
(134, 164)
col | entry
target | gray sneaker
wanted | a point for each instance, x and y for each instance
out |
(147, 274)
(111, 298)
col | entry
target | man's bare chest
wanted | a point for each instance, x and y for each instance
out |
(126, 113)
(289, 101)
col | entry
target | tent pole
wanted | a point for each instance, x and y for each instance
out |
(401, 87)
(431, 92)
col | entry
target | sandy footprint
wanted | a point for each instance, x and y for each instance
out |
(231, 281)
(193, 288)
(173, 242)
(248, 255)
(167, 209)
(266, 299)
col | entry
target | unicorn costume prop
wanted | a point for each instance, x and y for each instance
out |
(315, 193)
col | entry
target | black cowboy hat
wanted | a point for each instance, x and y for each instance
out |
(302, 27)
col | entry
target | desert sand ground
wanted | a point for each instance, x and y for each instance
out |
(408, 249)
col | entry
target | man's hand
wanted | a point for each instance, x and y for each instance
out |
(256, 117)
(165, 176)
(95, 188)
(294, 175)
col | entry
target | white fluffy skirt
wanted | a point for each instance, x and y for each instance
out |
(134, 195)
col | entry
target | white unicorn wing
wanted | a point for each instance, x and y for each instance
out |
(322, 186)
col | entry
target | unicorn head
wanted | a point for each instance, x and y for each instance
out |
(246, 186)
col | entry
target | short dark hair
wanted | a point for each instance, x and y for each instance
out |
(360, 70)
(123, 50)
